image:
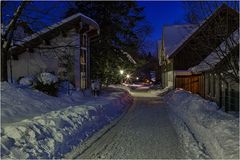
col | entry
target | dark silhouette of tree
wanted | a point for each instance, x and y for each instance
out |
(120, 32)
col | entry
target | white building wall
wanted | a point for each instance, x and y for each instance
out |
(170, 78)
(47, 59)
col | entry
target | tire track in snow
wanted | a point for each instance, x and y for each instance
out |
(144, 132)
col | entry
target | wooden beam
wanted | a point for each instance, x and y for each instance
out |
(84, 28)
(64, 33)
(31, 50)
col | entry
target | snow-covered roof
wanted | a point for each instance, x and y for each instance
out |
(182, 35)
(65, 23)
(129, 57)
(82, 17)
(175, 35)
(215, 57)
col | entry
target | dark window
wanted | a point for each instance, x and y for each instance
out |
(209, 84)
(47, 42)
(214, 85)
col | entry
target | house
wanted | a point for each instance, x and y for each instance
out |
(185, 46)
(172, 38)
(63, 49)
(217, 87)
(22, 30)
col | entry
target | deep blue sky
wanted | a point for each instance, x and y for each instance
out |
(157, 13)
(160, 13)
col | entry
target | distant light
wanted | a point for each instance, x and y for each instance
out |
(137, 78)
(128, 76)
(121, 71)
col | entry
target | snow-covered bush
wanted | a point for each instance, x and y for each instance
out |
(47, 78)
(47, 83)
(26, 81)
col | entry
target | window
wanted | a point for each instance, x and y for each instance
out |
(83, 67)
(209, 84)
(214, 86)
(84, 40)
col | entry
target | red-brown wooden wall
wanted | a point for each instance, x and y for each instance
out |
(192, 83)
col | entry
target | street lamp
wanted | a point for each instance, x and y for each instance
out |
(121, 72)
(127, 78)
(137, 78)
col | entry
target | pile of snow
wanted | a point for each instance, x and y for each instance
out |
(47, 78)
(27, 81)
(35, 125)
(123, 87)
(161, 91)
(215, 132)
(20, 103)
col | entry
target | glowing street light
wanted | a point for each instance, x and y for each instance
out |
(137, 78)
(121, 72)
(128, 76)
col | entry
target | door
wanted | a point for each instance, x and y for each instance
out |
(189, 83)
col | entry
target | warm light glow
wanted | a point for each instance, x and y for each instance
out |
(128, 76)
(121, 71)
(137, 78)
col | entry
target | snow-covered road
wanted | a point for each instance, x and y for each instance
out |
(144, 132)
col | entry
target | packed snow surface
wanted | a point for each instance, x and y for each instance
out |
(145, 132)
(35, 125)
(216, 133)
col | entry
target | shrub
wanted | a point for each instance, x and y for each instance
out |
(47, 83)
(26, 81)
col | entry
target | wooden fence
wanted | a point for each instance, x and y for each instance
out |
(192, 83)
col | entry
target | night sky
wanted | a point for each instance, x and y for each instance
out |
(160, 13)
(157, 13)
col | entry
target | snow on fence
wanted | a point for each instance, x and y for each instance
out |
(215, 132)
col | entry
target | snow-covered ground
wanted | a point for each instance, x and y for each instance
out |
(35, 125)
(159, 92)
(145, 132)
(205, 131)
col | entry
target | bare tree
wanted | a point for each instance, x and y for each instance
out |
(7, 37)
(37, 18)
(221, 37)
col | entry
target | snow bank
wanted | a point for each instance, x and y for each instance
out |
(216, 133)
(26, 81)
(21, 103)
(161, 91)
(57, 125)
(123, 87)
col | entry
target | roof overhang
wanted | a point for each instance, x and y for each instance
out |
(203, 26)
(79, 21)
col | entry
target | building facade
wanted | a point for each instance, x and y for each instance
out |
(195, 45)
(62, 49)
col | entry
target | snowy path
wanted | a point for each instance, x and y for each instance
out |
(144, 132)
